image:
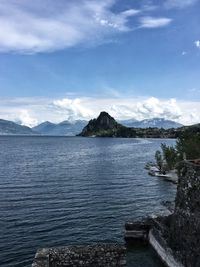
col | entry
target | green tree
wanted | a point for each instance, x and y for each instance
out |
(187, 147)
(169, 155)
(188, 144)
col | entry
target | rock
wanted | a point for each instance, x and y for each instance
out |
(184, 234)
(106, 126)
(181, 229)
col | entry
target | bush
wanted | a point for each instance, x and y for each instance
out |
(169, 155)
(188, 146)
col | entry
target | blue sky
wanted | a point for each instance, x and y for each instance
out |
(71, 59)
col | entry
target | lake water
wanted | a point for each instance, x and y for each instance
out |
(58, 191)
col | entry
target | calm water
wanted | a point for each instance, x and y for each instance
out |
(57, 191)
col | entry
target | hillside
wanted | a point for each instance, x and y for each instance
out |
(66, 128)
(11, 128)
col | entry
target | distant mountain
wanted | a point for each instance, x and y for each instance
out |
(129, 122)
(153, 123)
(44, 128)
(11, 128)
(65, 128)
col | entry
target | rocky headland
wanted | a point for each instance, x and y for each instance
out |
(107, 126)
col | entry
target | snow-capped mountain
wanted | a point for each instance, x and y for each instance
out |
(155, 122)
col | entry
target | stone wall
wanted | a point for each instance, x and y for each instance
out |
(101, 255)
(162, 249)
(184, 227)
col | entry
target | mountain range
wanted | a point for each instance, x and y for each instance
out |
(12, 128)
(72, 128)
(66, 128)
(153, 123)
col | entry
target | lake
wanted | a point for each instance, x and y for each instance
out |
(58, 191)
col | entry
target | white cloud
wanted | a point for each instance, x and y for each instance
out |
(72, 108)
(154, 22)
(147, 108)
(153, 107)
(33, 27)
(179, 3)
(57, 110)
(36, 26)
(26, 119)
(197, 43)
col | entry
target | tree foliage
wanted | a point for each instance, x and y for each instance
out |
(187, 147)
(169, 155)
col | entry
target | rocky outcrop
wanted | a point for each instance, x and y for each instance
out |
(184, 227)
(106, 126)
(180, 231)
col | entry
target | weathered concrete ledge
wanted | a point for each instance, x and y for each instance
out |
(149, 232)
(137, 232)
(99, 255)
(162, 249)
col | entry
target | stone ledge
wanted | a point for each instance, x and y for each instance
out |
(99, 255)
(162, 249)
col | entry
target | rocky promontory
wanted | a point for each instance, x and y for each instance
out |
(107, 126)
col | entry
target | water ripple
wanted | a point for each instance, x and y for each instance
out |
(57, 191)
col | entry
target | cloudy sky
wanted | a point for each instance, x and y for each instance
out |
(70, 59)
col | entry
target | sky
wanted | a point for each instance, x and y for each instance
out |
(71, 59)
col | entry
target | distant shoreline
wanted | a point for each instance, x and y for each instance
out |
(82, 137)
